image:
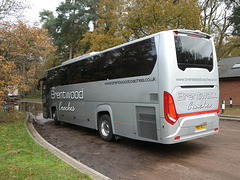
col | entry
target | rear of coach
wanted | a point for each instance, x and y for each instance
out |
(189, 86)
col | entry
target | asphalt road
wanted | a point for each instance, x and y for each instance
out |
(213, 157)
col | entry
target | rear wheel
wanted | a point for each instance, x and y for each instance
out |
(55, 117)
(105, 128)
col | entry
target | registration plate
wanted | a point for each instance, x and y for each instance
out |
(200, 127)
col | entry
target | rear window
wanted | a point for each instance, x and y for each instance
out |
(193, 52)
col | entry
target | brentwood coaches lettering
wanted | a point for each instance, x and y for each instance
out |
(67, 94)
(192, 105)
(182, 96)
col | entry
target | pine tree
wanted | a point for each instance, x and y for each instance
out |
(67, 29)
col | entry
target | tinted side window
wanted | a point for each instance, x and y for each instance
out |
(89, 68)
(136, 59)
(110, 64)
(139, 59)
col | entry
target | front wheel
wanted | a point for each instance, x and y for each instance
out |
(105, 128)
(55, 117)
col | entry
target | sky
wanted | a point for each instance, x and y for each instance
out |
(36, 6)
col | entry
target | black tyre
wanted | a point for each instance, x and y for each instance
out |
(105, 128)
(55, 117)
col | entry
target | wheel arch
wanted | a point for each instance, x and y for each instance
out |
(104, 109)
(52, 108)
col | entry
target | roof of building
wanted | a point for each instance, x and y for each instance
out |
(229, 67)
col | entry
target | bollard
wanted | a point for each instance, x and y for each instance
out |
(230, 102)
(223, 106)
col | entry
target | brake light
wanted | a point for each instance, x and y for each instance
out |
(170, 113)
(194, 36)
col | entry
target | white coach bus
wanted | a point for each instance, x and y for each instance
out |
(161, 88)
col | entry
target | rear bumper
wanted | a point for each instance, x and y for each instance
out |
(186, 131)
(171, 140)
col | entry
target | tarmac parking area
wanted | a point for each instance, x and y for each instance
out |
(213, 157)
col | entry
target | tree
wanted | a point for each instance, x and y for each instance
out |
(25, 45)
(125, 20)
(71, 23)
(9, 79)
(109, 29)
(22, 47)
(210, 15)
(151, 16)
(217, 21)
(235, 19)
(11, 8)
(231, 46)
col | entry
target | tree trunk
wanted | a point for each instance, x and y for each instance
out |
(23, 91)
(71, 51)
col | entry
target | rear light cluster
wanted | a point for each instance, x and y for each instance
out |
(170, 112)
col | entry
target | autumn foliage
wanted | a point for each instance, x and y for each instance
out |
(122, 21)
(9, 79)
(22, 40)
(23, 50)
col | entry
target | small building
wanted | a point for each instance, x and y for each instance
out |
(229, 80)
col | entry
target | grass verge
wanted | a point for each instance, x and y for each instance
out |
(22, 158)
(33, 97)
